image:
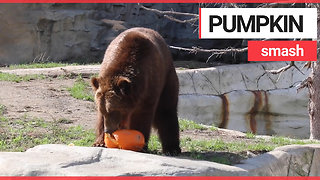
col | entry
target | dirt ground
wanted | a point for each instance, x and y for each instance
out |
(49, 100)
(46, 99)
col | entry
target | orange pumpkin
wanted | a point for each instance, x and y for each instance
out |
(125, 139)
(110, 141)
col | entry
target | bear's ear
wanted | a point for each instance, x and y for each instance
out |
(95, 83)
(124, 85)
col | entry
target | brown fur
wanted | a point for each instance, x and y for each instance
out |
(138, 88)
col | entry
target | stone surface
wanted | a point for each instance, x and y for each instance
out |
(275, 163)
(281, 111)
(256, 101)
(291, 160)
(315, 166)
(204, 109)
(301, 159)
(224, 79)
(62, 160)
(53, 160)
(84, 71)
(246, 98)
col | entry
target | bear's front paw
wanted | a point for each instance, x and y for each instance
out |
(98, 145)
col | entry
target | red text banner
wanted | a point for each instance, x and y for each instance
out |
(282, 50)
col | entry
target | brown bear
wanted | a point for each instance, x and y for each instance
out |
(137, 88)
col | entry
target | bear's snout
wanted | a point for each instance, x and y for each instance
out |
(111, 128)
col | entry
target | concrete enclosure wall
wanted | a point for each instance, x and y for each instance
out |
(246, 98)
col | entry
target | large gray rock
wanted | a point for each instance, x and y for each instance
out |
(315, 170)
(53, 160)
(275, 163)
(62, 160)
(291, 160)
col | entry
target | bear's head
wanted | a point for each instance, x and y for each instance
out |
(114, 101)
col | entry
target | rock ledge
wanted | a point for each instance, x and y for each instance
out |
(63, 160)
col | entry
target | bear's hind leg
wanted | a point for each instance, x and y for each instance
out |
(168, 131)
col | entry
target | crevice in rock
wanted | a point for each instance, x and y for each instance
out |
(89, 161)
(173, 166)
(208, 80)
(193, 84)
(274, 83)
(309, 169)
(259, 77)
(289, 165)
(244, 81)
(219, 81)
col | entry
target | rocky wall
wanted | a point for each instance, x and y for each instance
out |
(82, 32)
